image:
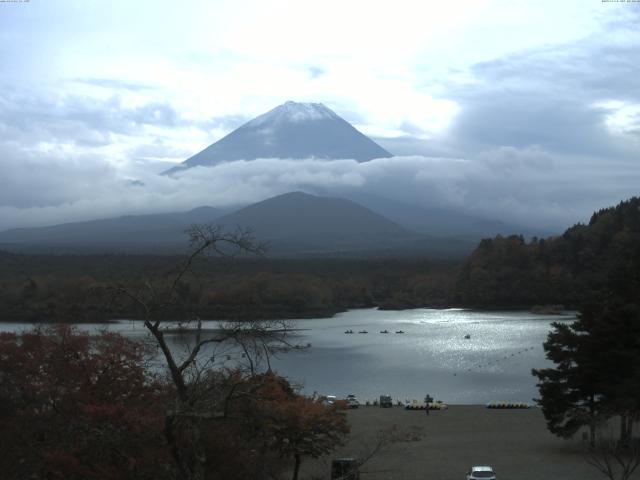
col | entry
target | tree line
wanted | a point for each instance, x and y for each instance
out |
(47, 288)
(567, 269)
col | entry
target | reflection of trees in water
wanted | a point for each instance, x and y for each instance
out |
(248, 349)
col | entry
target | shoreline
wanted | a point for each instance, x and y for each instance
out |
(316, 315)
(445, 443)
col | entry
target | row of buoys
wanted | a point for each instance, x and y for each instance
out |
(508, 405)
(492, 363)
(364, 331)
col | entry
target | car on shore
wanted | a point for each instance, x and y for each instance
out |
(352, 401)
(481, 473)
(329, 400)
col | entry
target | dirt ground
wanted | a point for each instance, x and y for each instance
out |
(444, 444)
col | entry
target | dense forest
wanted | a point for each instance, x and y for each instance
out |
(503, 272)
(508, 271)
(68, 288)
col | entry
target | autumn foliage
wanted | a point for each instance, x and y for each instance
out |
(279, 426)
(76, 407)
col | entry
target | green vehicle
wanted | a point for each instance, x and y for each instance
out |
(385, 401)
(345, 469)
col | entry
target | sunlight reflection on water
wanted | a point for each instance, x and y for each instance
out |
(432, 356)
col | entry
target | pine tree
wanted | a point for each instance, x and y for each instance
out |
(597, 373)
(570, 397)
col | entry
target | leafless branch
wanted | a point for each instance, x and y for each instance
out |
(614, 460)
(200, 394)
(385, 439)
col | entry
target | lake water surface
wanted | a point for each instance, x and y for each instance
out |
(432, 356)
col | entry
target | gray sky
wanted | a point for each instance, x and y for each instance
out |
(523, 111)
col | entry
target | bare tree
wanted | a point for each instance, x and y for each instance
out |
(616, 460)
(385, 438)
(250, 342)
(365, 449)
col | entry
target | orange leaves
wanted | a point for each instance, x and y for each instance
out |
(74, 406)
(299, 424)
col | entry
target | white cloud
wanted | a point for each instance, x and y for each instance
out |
(393, 63)
(622, 118)
(102, 93)
(529, 186)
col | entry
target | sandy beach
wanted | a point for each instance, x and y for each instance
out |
(444, 444)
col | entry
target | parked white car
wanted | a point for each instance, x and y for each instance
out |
(481, 473)
(352, 401)
(329, 400)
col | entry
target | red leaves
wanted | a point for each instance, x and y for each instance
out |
(267, 423)
(294, 423)
(74, 406)
(79, 407)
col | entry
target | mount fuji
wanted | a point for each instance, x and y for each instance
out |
(291, 130)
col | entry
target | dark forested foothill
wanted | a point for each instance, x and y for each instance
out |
(568, 269)
(74, 288)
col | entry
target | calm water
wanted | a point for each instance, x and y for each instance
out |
(432, 356)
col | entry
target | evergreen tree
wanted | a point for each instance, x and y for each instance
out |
(615, 331)
(597, 373)
(570, 396)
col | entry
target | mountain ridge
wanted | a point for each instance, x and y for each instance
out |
(141, 230)
(295, 214)
(294, 224)
(291, 130)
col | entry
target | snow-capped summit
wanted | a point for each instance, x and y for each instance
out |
(294, 112)
(291, 130)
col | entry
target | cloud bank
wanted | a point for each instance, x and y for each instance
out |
(529, 187)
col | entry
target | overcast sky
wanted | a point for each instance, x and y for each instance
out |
(525, 111)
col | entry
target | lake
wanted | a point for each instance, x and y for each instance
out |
(432, 356)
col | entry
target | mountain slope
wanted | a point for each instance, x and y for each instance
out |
(291, 130)
(300, 224)
(443, 222)
(297, 215)
(130, 231)
(294, 224)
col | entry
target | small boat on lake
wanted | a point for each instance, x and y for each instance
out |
(384, 331)
(467, 336)
(348, 331)
(399, 331)
(363, 331)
